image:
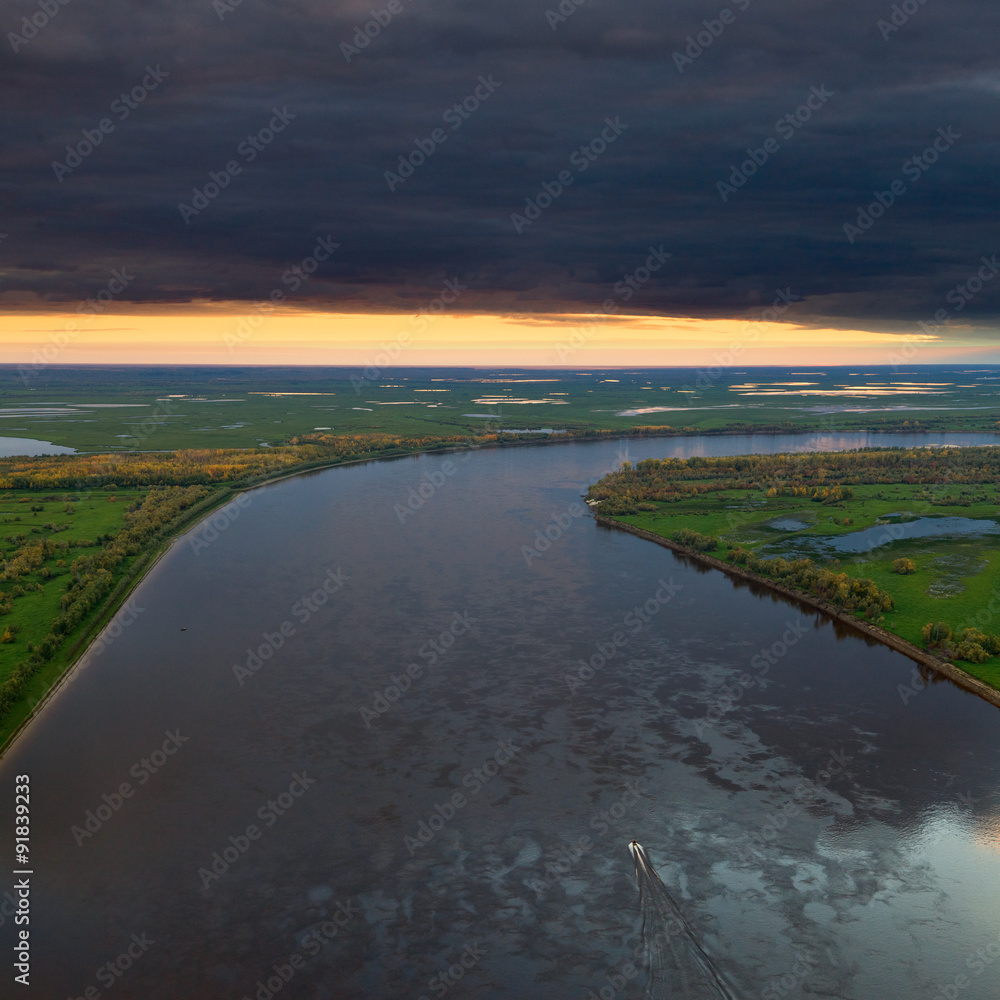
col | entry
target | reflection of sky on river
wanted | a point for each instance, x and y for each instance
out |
(776, 444)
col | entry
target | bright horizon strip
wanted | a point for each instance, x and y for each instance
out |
(237, 334)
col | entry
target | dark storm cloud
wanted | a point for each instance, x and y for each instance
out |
(554, 81)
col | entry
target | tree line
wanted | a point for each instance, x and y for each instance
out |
(839, 589)
(825, 477)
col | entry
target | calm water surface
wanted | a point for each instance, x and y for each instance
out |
(922, 527)
(10, 446)
(824, 824)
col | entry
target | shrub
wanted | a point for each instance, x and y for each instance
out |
(903, 566)
(696, 540)
(989, 642)
(973, 645)
(971, 651)
(935, 633)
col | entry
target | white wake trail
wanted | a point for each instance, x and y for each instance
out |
(675, 960)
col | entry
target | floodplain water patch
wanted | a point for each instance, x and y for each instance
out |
(952, 570)
(787, 524)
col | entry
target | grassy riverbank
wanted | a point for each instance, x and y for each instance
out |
(772, 515)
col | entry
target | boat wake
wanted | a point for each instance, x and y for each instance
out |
(677, 964)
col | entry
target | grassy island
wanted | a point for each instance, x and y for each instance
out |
(905, 540)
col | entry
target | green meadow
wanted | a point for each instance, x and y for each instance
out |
(133, 408)
(80, 519)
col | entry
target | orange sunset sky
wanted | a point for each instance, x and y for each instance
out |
(245, 333)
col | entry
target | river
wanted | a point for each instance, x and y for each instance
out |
(409, 783)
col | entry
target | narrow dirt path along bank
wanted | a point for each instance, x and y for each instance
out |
(921, 656)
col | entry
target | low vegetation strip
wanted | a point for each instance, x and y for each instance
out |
(202, 466)
(905, 540)
(825, 477)
(838, 589)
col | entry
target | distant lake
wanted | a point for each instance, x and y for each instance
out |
(30, 446)
(822, 833)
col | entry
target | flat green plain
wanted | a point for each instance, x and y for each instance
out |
(73, 517)
(130, 408)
